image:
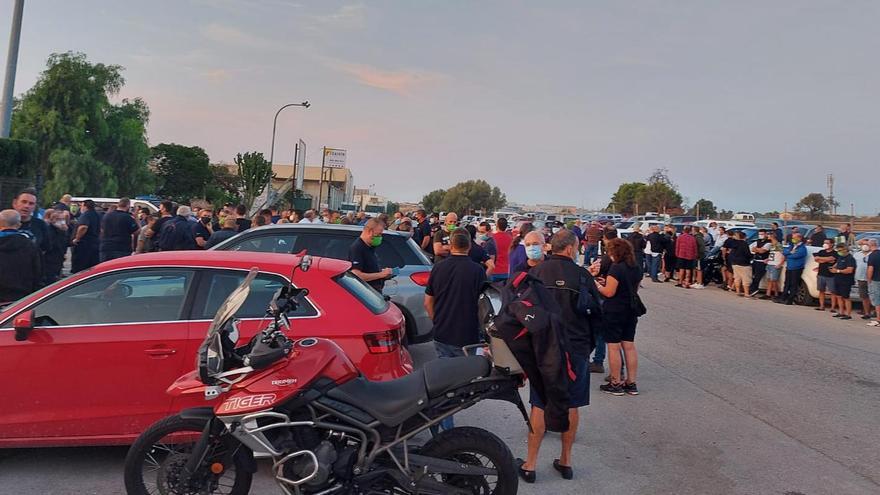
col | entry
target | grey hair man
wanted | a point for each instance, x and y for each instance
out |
(21, 268)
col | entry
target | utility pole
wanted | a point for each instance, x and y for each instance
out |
(830, 181)
(11, 65)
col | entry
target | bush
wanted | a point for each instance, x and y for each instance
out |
(18, 158)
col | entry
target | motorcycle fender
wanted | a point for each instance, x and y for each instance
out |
(443, 466)
(246, 456)
(201, 413)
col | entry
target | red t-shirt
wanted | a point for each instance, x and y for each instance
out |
(502, 245)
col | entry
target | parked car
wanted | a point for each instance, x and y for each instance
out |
(110, 203)
(683, 219)
(107, 342)
(407, 290)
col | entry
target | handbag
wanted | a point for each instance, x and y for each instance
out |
(638, 306)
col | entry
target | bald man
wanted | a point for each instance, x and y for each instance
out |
(441, 238)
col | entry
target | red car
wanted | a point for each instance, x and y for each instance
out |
(106, 343)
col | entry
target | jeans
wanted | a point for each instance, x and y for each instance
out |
(446, 351)
(599, 353)
(792, 284)
(591, 252)
(758, 271)
(654, 266)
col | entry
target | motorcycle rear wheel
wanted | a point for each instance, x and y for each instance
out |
(152, 460)
(477, 447)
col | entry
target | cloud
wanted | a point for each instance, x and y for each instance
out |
(230, 35)
(401, 81)
(347, 17)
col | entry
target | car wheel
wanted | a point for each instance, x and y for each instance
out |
(803, 297)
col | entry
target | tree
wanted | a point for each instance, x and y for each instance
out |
(183, 171)
(814, 204)
(79, 173)
(68, 111)
(473, 195)
(254, 172)
(624, 200)
(660, 194)
(431, 202)
(17, 158)
(224, 187)
(704, 208)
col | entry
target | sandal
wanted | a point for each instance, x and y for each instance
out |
(525, 474)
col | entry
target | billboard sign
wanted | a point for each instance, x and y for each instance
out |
(334, 158)
(299, 164)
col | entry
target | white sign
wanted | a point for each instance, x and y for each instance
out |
(300, 164)
(334, 158)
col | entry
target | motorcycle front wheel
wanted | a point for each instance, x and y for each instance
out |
(476, 447)
(154, 464)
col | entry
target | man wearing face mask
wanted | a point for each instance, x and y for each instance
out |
(362, 254)
(826, 258)
(862, 277)
(441, 238)
(533, 243)
(844, 277)
(760, 253)
(203, 230)
(795, 255)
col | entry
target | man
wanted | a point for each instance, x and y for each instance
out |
(669, 260)
(817, 238)
(795, 256)
(59, 241)
(177, 233)
(229, 230)
(86, 246)
(422, 232)
(25, 202)
(441, 238)
(21, 270)
(845, 236)
(700, 235)
(686, 254)
(487, 242)
(165, 215)
(477, 254)
(740, 258)
(204, 229)
(826, 258)
(534, 244)
(117, 230)
(844, 277)
(862, 276)
(655, 240)
(873, 276)
(63, 203)
(777, 231)
(579, 233)
(360, 219)
(451, 301)
(241, 221)
(794, 230)
(760, 253)
(592, 237)
(502, 240)
(362, 254)
(564, 279)
(713, 231)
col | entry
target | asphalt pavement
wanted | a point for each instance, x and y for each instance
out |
(737, 396)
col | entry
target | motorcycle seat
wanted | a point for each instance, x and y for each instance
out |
(442, 375)
(395, 401)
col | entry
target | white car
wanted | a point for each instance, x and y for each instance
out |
(808, 294)
(643, 226)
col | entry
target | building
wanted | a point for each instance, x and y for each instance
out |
(364, 198)
(336, 188)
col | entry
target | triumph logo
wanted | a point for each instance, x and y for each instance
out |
(285, 382)
(248, 401)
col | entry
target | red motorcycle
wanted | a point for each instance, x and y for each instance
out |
(326, 429)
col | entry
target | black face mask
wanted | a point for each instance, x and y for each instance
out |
(205, 220)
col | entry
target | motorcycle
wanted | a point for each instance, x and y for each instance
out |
(326, 429)
(713, 262)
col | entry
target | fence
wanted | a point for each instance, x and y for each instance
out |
(9, 187)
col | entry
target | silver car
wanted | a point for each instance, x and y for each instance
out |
(406, 290)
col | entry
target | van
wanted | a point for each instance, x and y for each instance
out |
(744, 217)
(110, 203)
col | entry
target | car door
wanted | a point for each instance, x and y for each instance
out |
(101, 355)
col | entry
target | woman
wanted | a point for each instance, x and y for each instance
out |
(619, 317)
(844, 278)
(773, 266)
(517, 257)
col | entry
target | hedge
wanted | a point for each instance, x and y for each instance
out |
(18, 158)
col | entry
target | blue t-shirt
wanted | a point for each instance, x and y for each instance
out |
(91, 220)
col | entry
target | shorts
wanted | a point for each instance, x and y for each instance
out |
(874, 292)
(843, 286)
(686, 264)
(773, 273)
(578, 389)
(619, 327)
(825, 283)
(863, 289)
(742, 274)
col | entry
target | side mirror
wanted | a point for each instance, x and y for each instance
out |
(23, 325)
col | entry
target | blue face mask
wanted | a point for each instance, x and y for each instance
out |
(534, 252)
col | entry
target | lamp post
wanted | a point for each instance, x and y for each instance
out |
(304, 104)
(11, 62)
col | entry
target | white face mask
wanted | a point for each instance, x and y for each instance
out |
(61, 224)
(865, 248)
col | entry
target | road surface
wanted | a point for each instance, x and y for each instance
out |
(738, 396)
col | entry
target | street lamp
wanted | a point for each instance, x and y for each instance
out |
(304, 104)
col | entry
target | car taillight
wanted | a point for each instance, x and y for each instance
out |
(420, 278)
(382, 342)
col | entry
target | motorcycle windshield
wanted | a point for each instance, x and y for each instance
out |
(232, 303)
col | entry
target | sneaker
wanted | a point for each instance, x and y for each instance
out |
(765, 297)
(610, 388)
(630, 388)
(819, 309)
(866, 317)
(597, 368)
(874, 323)
(698, 286)
(837, 316)
(754, 293)
(846, 317)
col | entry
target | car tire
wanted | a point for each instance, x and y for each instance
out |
(803, 297)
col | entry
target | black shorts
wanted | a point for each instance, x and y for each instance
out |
(619, 327)
(686, 264)
(843, 286)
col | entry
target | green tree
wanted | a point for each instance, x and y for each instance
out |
(625, 199)
(814, 204)
(224, 187)
(432, 201)
(704, 208)
(79, 173)
(660, 194)
(183, 171)
(17, 158)
(69, 115)
(254, 172)
(473, 195)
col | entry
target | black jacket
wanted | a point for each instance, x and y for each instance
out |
(563, 279)
(53, 260)
(219, 236)
(530, 325)
(20, 266)
(177, 235)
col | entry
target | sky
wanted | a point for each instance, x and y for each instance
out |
(749, 103)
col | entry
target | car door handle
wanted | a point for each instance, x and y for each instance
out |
(160, 351)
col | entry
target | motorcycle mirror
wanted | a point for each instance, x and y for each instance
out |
(305, 263)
